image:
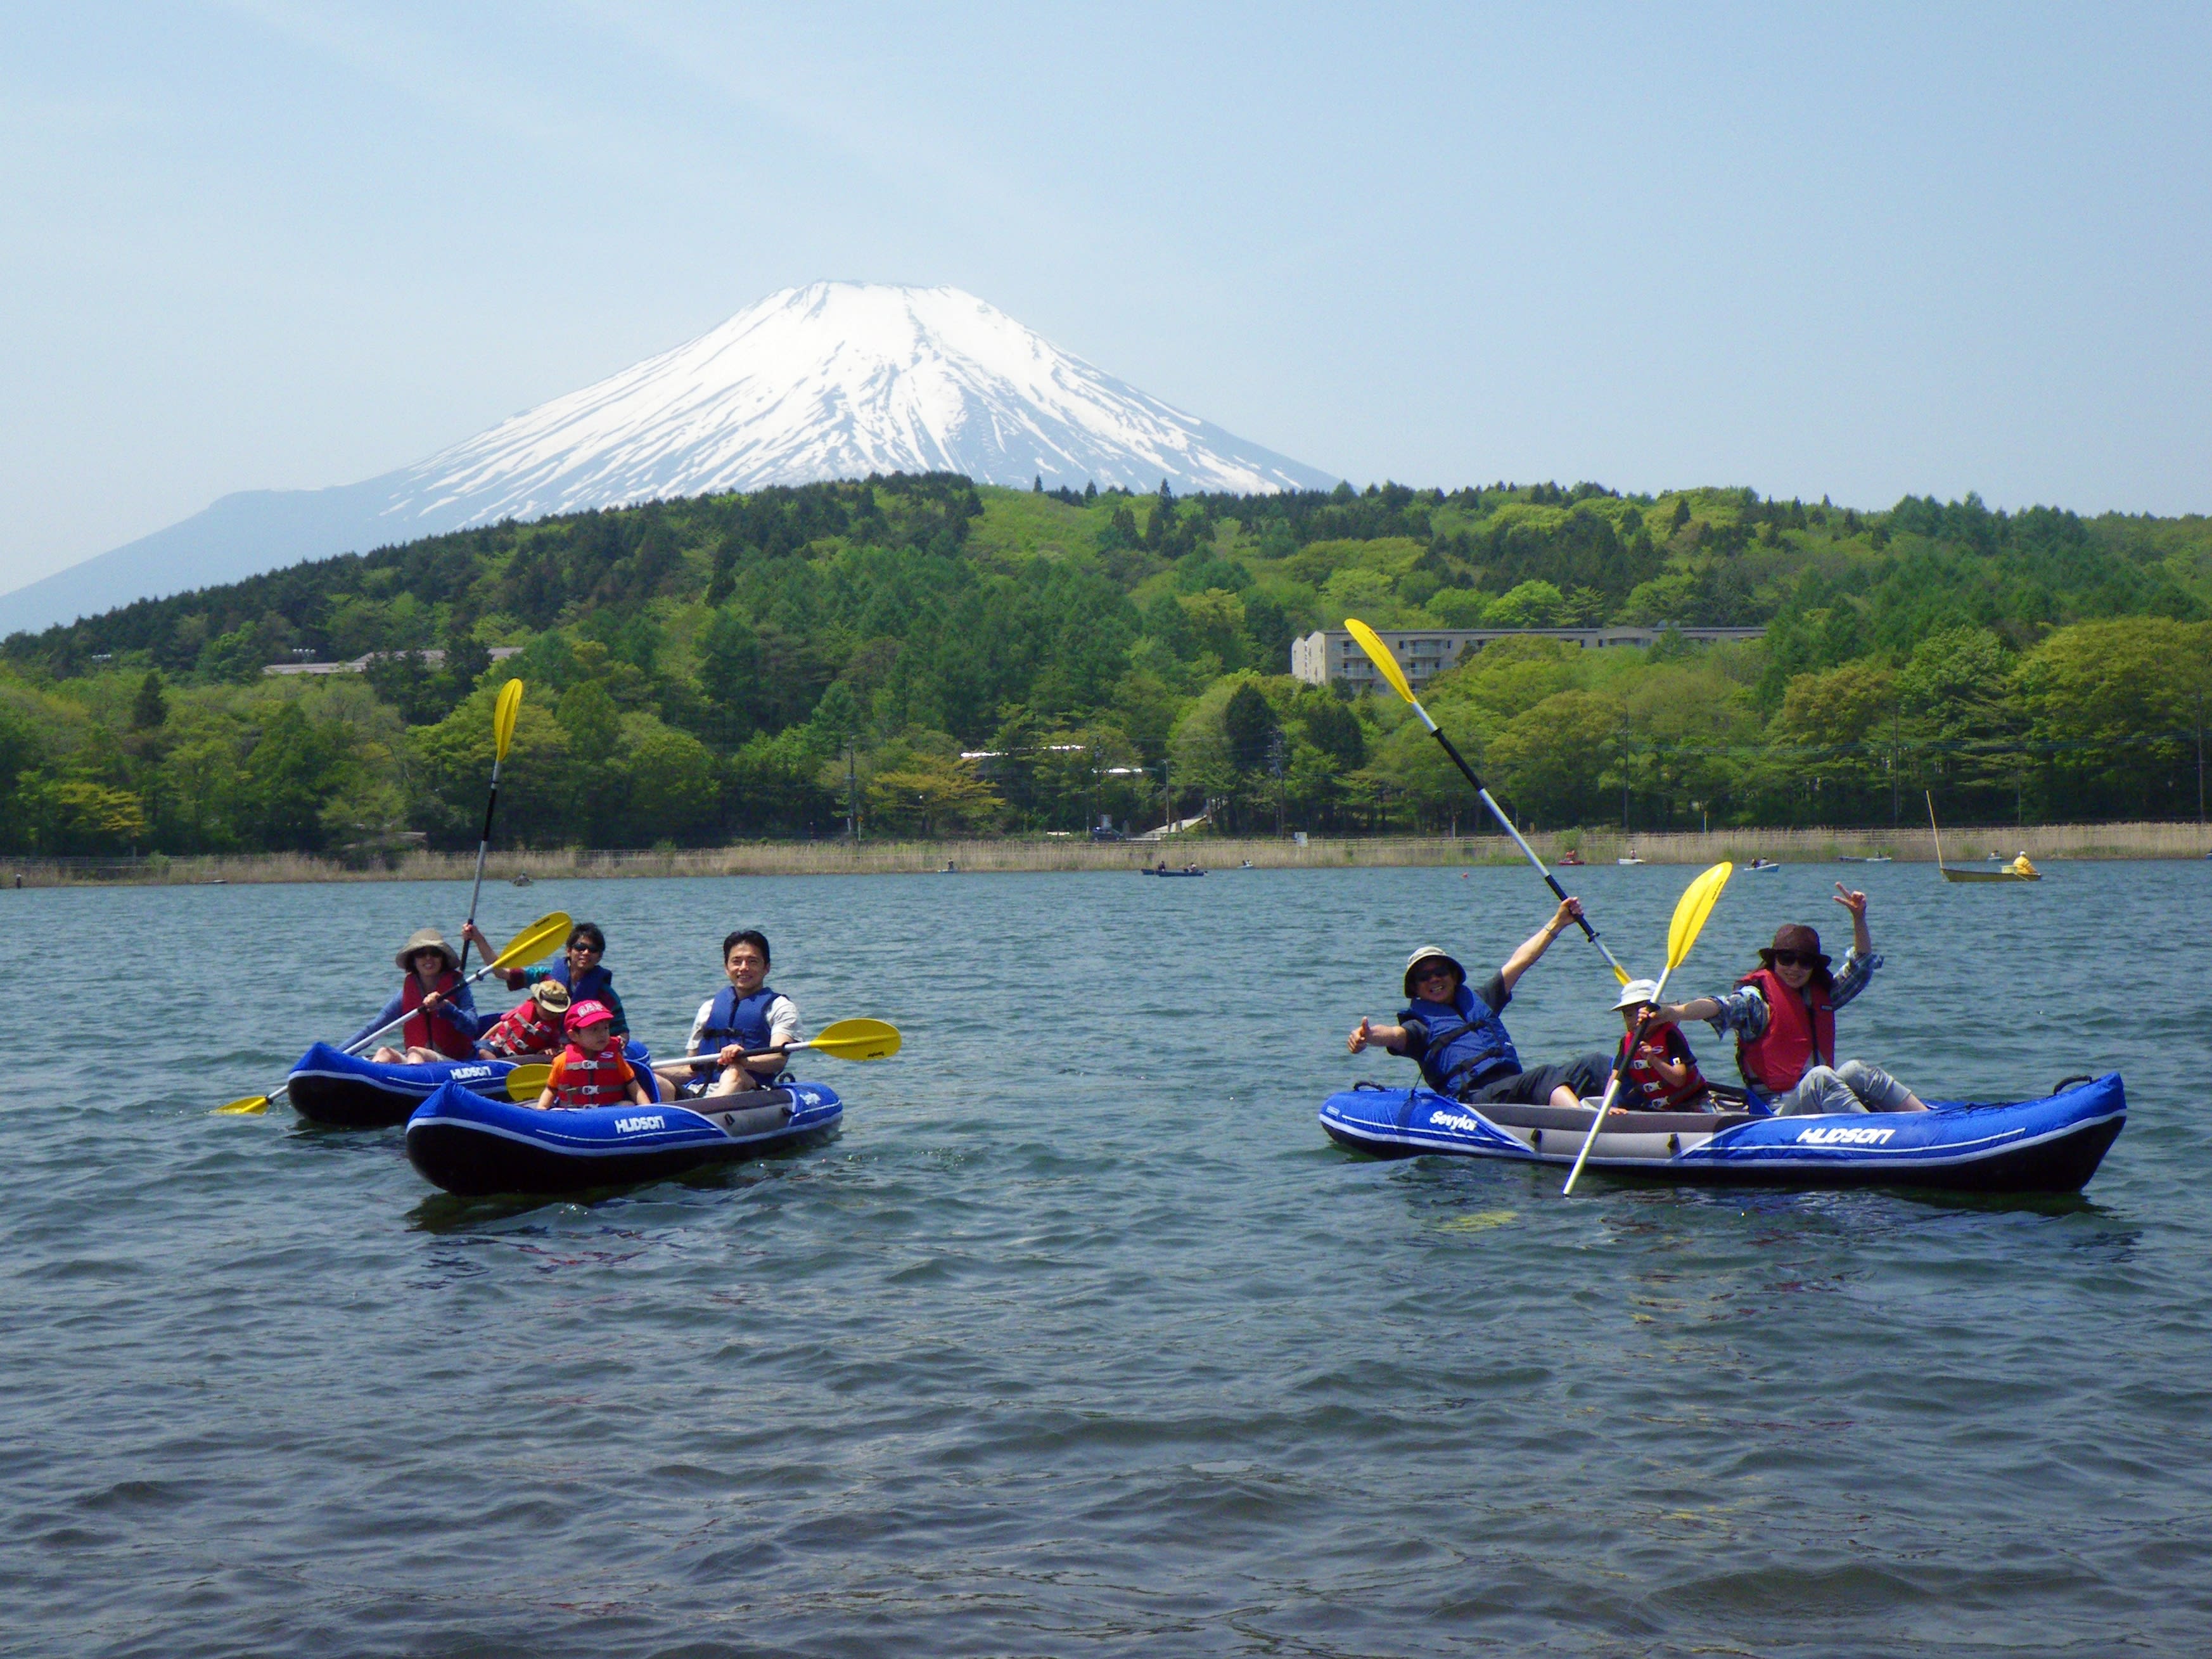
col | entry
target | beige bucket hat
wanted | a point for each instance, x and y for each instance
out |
(1431, 953)
(427, 939)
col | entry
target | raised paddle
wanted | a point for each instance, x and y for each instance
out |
(846, 1039)
(1697, 903)
(540, 939)
(1387, 665)
(503, 716)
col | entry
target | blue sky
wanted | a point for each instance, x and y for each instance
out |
(1857, 251)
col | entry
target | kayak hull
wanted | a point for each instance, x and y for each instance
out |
(347, 1091)
(2049, 1146)
(478, 1147)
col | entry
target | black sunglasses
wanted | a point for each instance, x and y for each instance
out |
(591, 950)
(1795, 959)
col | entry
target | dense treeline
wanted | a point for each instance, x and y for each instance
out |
(956, 659)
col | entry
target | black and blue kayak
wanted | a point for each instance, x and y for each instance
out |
(2049, 1146)
(479, 1147)
(346, 1092)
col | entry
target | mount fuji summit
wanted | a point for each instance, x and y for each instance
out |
(831, 380)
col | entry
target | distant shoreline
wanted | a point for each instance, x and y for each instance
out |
(1963, 846)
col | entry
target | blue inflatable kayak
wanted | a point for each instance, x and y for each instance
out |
(468, 1145)
(2053, 1145)
(345, 1091)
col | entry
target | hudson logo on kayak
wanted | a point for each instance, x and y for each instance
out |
(631, 1125)
(460, 1073)
(1834, 1137)
(1453, 1120)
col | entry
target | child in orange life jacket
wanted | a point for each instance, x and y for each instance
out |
(532, 1026)
(1658, 1073)
(591, 1071)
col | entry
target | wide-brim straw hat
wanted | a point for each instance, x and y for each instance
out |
(551, 995)
(427, 939)
(1431, 953)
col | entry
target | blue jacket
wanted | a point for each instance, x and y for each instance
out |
(598, 985)
(743, 1021)
(1466, 1042)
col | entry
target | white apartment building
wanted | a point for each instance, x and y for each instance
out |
(1329, 654)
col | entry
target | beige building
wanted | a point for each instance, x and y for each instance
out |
(1424, 653)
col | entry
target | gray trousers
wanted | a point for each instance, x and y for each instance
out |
(1853, 1086)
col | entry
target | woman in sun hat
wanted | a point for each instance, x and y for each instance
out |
(1455, 1033)
(1784, 1015)
(443, 1022)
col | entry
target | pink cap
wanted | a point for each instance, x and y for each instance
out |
(588, 1012)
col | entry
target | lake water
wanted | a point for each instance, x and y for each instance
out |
(1083, 1339)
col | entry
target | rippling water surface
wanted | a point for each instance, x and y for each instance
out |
(1081, 1339)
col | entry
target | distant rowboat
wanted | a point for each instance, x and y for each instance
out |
(2019, 870)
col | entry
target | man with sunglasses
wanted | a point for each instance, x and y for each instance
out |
(1456, 1035)
(582, 969)
(1783, 1014)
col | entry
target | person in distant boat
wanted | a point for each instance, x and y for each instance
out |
(533, 1026)
(1456, 1036)
(748, 1015)
(582, 969)
(443, 1019)
(1658, 1073)
(2020, 867)
(1784, 1015)
(591, 1071)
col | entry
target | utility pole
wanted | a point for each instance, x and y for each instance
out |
(2200, 760)
(852, 796)
(1896, 718)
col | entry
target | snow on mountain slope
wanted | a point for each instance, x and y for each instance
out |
(831, 380)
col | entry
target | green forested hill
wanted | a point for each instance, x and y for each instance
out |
(710, 669)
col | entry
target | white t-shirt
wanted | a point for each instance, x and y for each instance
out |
(782, 1022)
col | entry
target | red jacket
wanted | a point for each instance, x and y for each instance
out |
(1796, 1040)
(1640, 1079)
(526, 1028)
(582, 1080)
(424, 1030)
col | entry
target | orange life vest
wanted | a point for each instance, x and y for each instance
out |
(1796, 1038)
(422, 1030)
(526, 1028)
(582, 1080)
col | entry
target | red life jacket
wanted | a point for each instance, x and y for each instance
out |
(1640, 1079)
(1795, 1041)
(422, 1031)
(526, 1029)
(582, 1080)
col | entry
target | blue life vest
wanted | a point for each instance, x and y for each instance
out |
(1467, 1042)
(741, 1020)
(597, 981)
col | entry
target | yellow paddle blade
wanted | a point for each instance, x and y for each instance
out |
(857, 1039)
(526, 1082)
(242, 1108)
(1379, 654)
(1690, 914)
(541, 939)
(504, 716)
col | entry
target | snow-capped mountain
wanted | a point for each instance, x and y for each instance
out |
(831, 380)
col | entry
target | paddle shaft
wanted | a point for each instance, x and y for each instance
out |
(1506, 825)
(484, 846)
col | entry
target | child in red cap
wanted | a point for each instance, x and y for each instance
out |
(590, 1070)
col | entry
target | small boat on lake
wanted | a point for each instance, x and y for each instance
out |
(1629, 858)
(346, 1092)
(1761, 867)
(1571, 860)
(478, 1147)
(2053, 1145)
(1188, 870)
(2019, 870)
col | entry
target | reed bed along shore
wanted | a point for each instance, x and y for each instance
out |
(1966, 845)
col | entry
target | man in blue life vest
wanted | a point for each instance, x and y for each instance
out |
(747, 1016)
(1455, 1033)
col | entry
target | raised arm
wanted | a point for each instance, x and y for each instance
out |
(1539, 941)
(1862, 941)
